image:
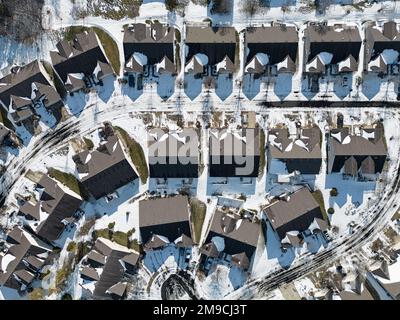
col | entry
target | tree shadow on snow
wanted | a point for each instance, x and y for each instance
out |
(221, 12)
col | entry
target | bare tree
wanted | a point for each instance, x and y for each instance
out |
(251, 7)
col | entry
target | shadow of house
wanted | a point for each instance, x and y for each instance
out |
(27, 88)
(292, 215)
(271, 49)
(361, 155)
(23, 259)
(82, 62)
(48, 217)
(234, 153)
(382, 48)
(163, 221)
(173, 154)
(106, 169)
(114, 261)
(233, 235)
(299, 152)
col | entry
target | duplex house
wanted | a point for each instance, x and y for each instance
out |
(382, 47)
(357, 153)
(300, 151)
(233, 235)
(213, 47)
(149, 45)
(163, 221)
(105, 266)
(47, 216)
(21, 261)
(26, 88)
(290, 215)
(173, 154)
(271, 48)
(81, 63)
(105, 169)
(331, 48)
(234, 153)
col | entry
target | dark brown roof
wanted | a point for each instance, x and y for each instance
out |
(22, 245)
(241, 260)
(160, 211)
(118, 289)
(237, 142)
(351, 145)
(271, 34)
(210, 34)
(57, 201)
(153, 33)
(90, 164)
(90, 273)
(96, 257)
(236, 228)
(307, 146)
(298, 204)
(18, 85)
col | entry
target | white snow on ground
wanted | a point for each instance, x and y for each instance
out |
(304, 287)
(220, 281)
(114, 100)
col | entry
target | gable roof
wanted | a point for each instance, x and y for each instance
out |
(236, 228)
(22, 245)
(90, 164)
(81, 55)
(377, 40)
(161, 211)
(345, 144)
(20, 83)
(57, 201)
(234, 142)
(195, 34)
(283, 146)
(298, 204)
(339, 40)
(148, 33)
